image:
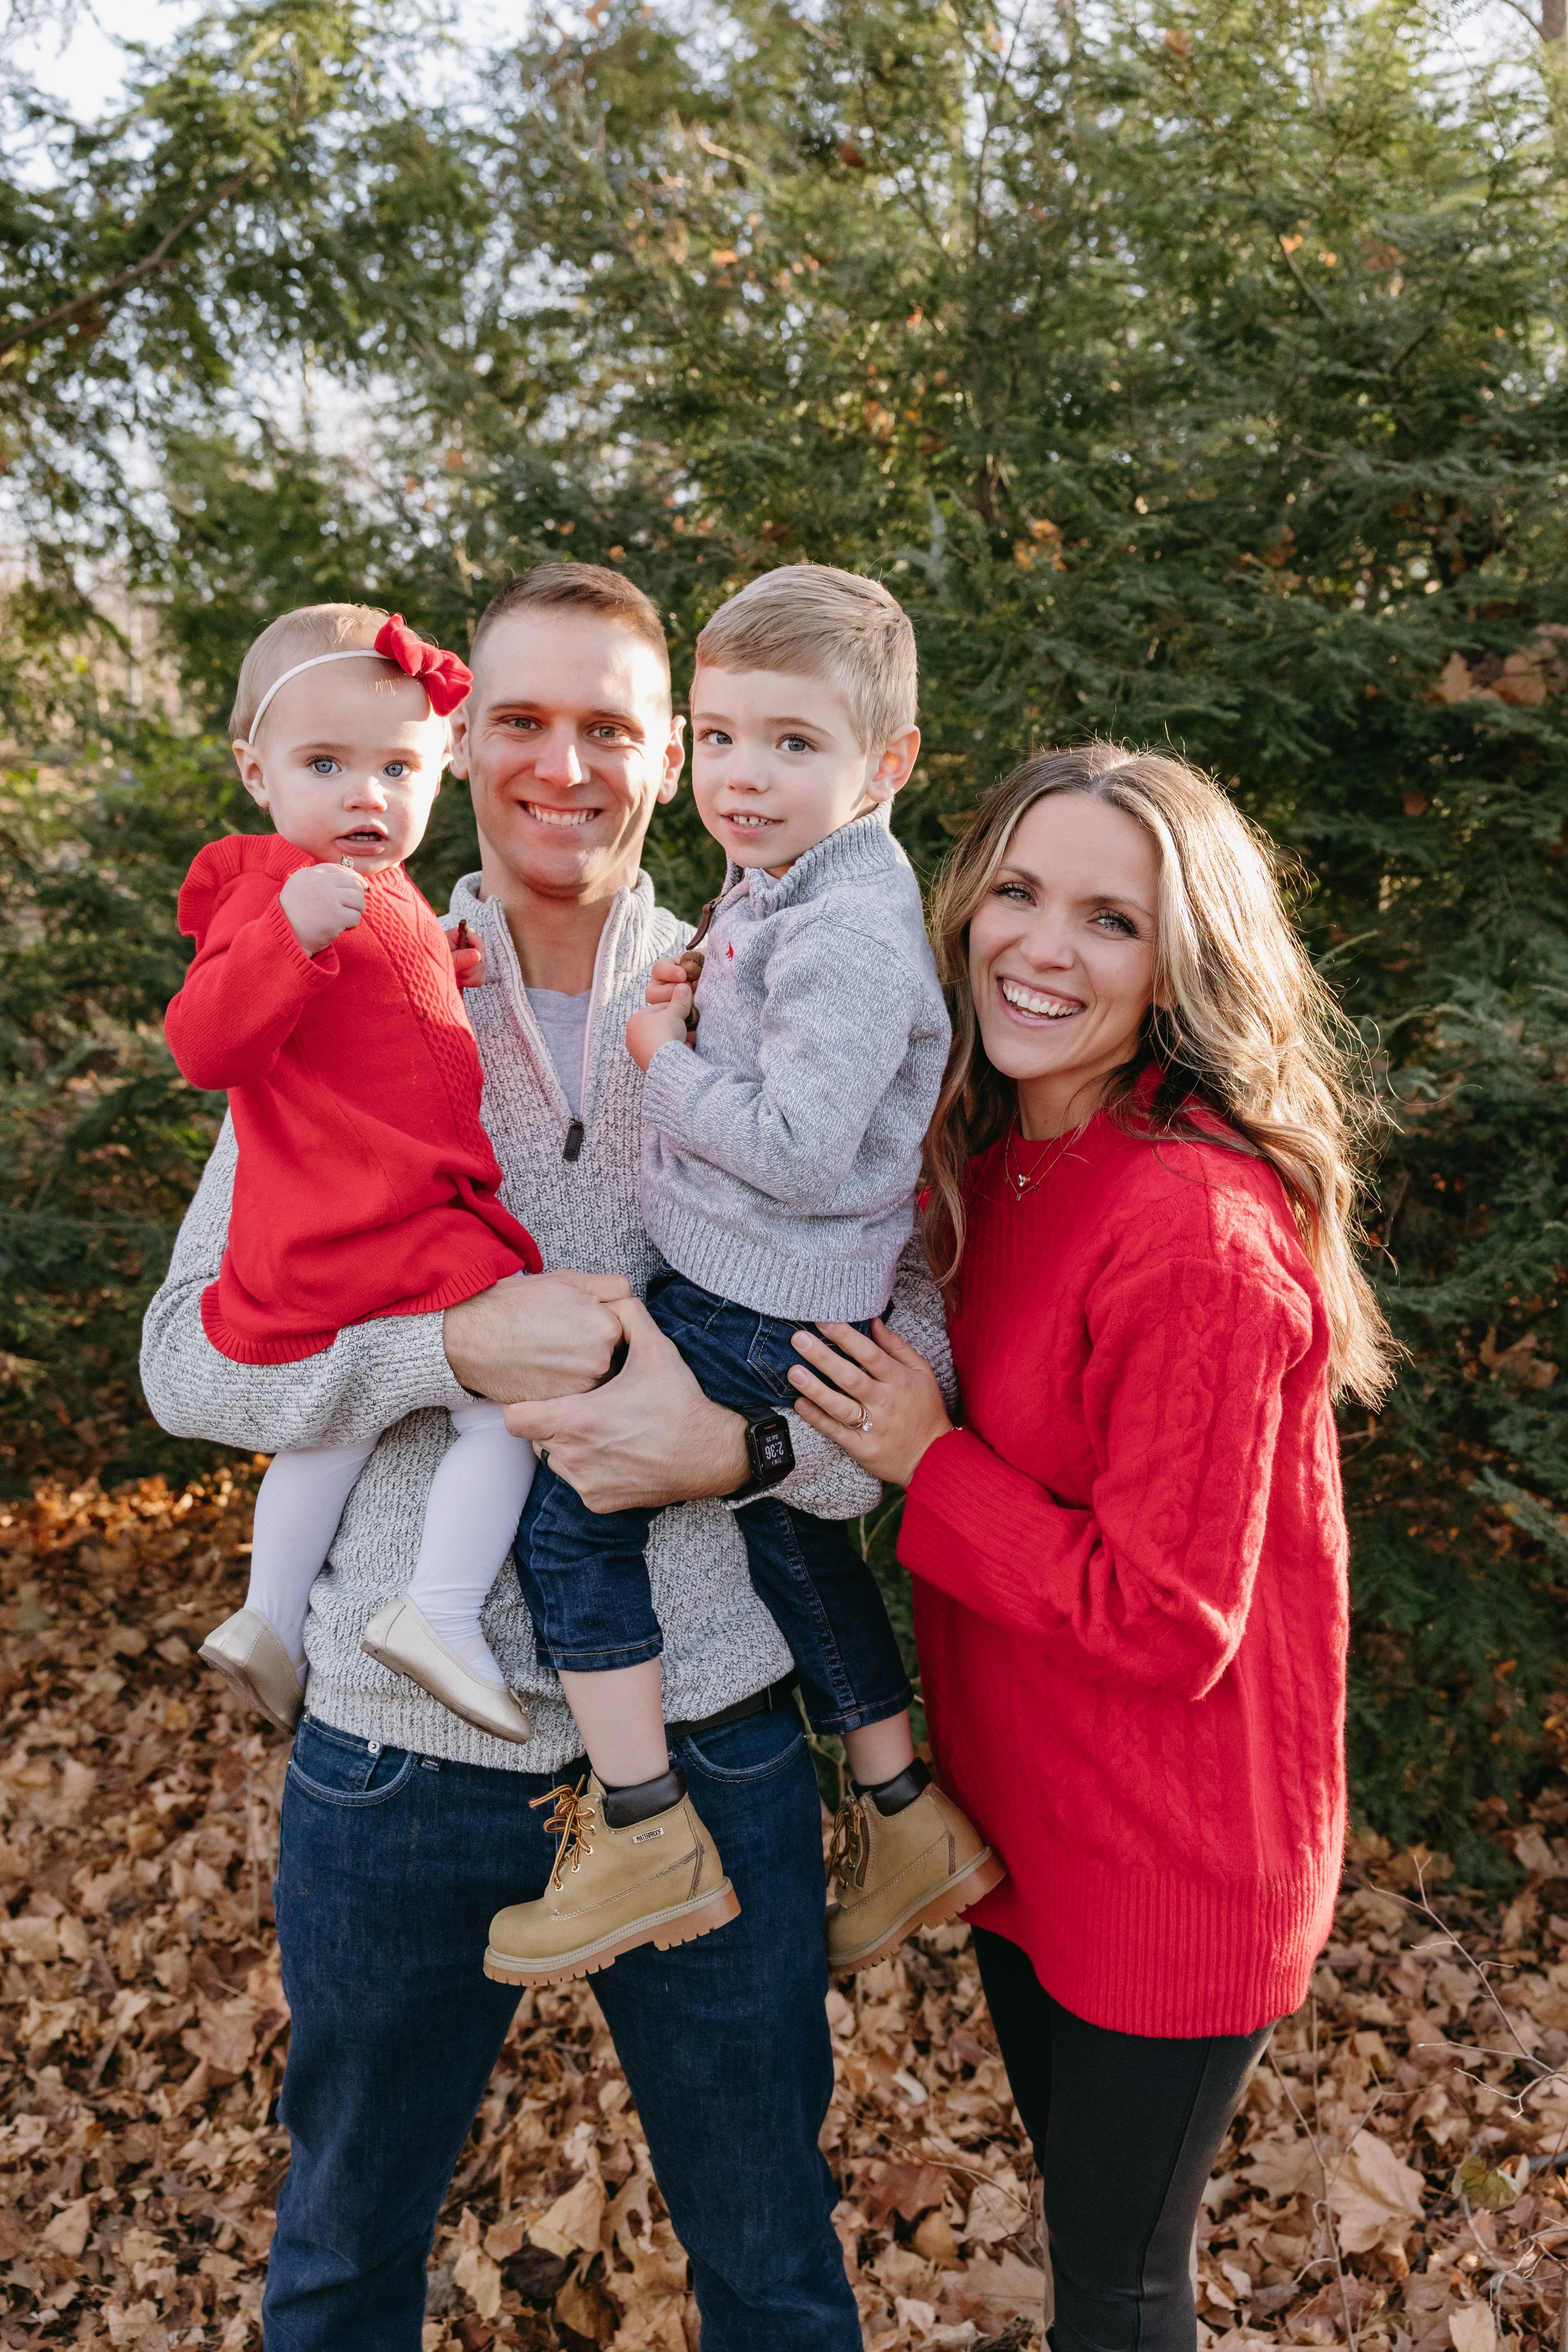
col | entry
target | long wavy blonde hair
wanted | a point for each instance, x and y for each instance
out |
(1240, 1023)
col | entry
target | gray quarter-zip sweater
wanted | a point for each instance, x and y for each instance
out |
(780, 1158)
(392, 1375)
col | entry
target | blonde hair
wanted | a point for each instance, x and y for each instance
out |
(299, 637)
(819, 621)
(1241, 1022)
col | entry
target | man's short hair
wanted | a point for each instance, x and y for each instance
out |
(820, 621)
(576, 588)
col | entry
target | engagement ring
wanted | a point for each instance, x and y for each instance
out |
(864, 1423)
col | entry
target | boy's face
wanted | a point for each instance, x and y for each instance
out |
(348, 764)
(775, 766)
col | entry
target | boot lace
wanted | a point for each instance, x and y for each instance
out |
(849, 1853)
(574, 1821)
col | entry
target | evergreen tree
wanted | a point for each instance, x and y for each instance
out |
(1197, 381)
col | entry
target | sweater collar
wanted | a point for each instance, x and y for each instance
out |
(624, 945)
(861, 851)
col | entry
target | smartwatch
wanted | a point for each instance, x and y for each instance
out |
(770, 1454)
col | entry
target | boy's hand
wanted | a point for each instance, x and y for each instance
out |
(661, 1024)
(321, 903)
(669, 974)
(467, 958)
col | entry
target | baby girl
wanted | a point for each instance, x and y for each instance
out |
(324, 996)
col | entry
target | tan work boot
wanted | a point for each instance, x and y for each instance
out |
(656, 1881)
(899, 1871)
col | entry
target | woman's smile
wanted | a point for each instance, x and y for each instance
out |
(1030, 1004)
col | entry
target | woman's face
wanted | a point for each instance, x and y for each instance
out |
(1062, 955)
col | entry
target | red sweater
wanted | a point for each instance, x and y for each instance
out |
(1131, 1595)
(366, 1185)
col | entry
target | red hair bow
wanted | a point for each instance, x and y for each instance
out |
(445, 678)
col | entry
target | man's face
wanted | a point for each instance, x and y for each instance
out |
(569, 744)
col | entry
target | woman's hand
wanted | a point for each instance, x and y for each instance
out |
(884, 1408)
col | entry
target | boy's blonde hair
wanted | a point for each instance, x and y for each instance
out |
(299, 637)
(819, 621)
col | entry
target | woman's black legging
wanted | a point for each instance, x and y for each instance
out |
(1126, 2128)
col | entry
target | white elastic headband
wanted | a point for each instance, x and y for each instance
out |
(349, 653)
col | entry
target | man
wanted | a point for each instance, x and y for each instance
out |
(404, 1830)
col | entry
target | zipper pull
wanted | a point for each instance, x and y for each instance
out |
(574, 1141)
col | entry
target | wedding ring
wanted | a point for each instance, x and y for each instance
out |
(864, 1425)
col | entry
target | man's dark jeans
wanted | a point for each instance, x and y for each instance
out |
(390, 1870)
(583, 1573)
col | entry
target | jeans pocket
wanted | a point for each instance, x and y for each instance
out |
(338, 1769)
(752, 1750)
(772, 1352)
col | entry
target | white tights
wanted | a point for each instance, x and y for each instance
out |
(476, 1501)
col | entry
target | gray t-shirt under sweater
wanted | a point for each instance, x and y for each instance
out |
(563, 1025)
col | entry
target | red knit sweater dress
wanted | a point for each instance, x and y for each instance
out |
(1131, 1594)
(366, 1184)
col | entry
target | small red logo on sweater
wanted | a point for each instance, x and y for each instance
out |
(730, 951)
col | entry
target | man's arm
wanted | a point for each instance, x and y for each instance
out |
(615, 1446)
(544, 1334)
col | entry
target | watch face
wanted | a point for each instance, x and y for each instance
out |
(774, 1452)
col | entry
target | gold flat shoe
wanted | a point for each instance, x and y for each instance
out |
(401, 1637)
(251, 1659)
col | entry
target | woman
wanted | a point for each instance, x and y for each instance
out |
(1130, 1562)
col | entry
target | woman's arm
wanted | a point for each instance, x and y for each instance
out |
(1152, 1578)
(826, 1481)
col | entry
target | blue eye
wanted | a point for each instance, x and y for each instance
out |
(795, 743)
(396, 769)
(324, 767)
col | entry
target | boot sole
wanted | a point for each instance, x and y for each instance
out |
(674, 1927)
(450, 1700)
(985, 1872)
(245, 1689)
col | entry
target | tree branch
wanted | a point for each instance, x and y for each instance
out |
(155, 262)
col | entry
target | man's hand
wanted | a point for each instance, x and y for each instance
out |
(538, 1335)
(647, 1438)
(321, 902)
(661, 1024)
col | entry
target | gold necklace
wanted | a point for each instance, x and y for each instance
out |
(1021, 1185)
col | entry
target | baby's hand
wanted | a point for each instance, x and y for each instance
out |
(467, 958)
(321, 902)
(661, 1024)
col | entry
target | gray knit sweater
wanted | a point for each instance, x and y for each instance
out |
(720, 1642)
(780, 1158)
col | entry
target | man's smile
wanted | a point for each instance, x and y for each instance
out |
(563, 819)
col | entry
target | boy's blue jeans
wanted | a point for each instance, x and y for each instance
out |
(584, 1575)
(390, 1868)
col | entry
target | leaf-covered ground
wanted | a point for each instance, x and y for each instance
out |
(1393, 2181)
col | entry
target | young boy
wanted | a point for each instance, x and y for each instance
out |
(781, 1146)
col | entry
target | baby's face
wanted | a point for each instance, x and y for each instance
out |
(347, 763)
(775, 767)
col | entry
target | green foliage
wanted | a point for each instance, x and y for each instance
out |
(1197, 381)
